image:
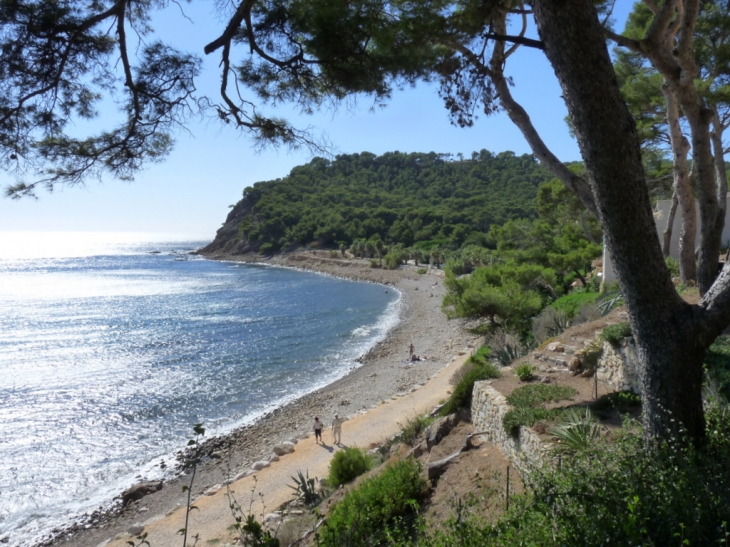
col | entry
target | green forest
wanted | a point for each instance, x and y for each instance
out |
(416, 199)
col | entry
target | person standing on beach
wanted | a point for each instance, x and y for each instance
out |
(318, 426)
(411, 349)
(337, 429)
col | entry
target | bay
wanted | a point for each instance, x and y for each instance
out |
(113, 345)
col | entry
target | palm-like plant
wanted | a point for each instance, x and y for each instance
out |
(577, 431)
(305, 488)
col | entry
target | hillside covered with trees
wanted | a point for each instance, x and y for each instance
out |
(416, 199)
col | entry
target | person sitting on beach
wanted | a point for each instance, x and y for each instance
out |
(318, 426)
(337, 429)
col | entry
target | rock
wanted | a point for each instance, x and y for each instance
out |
(258, 466)
(273, 458)
(216, 455)
(271, 517)
(293, 440)
(284, 448)
(136, 529)
(420, 449)
(439, 429)
(555, 347)
(241, 475)
(576, 364)
(213, 490)
(102, 544)
(140, 490)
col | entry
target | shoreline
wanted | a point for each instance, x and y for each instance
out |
(382, 376)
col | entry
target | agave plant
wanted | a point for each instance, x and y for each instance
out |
(577, 431)
(305, 488)
(609, 301)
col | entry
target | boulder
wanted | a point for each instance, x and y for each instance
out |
(258, 466)
(439, 429)
(284, 448)
(136, 529)
(140, 490)
(555, 347)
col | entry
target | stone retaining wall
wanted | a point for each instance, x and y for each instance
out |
(488, 408)
(617, 366)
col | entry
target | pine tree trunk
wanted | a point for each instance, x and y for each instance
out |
(682, 189)
(667, 235)
(665, 330)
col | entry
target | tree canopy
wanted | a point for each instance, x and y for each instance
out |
(395, 198)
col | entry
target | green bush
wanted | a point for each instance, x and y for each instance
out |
(392, 261)
(421, 270)
(576, 431)
(622, 401)
(717, 362)
(371, 512)
(266, 249)
(613, 334)
(462, 393)
(672, 265)
(413, 429)
(571, 304)
(524, 372)
(528, 402)
(527, 417)
(347, 465)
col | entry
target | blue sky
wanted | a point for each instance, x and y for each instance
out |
(190, 193)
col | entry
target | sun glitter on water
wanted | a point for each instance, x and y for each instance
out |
(34, 245)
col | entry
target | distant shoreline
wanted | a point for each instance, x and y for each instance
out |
(381, 376)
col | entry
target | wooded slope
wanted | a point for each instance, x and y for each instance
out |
(414, 199)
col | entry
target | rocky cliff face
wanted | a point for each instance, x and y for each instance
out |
(228, 239)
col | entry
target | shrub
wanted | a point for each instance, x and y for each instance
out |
(528, 402)
(591, 354)
(374, 263)
(413, 429)
(672, 266)
(506, 346)
(266, 249)
(622, 401)
(527, 417)
(524, 372)
(392, 261)
(421, 270)
(570, 304)
(550, 322)
(305, 488)
(334, 253)
(462, 393)
(376, 507)
(717, 362)
(576, 431)
(347, 465)
(613, 334)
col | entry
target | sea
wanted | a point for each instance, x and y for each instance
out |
(112, 346)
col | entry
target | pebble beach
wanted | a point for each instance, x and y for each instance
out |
(385, 375)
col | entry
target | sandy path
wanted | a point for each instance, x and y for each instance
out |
(213, 518)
